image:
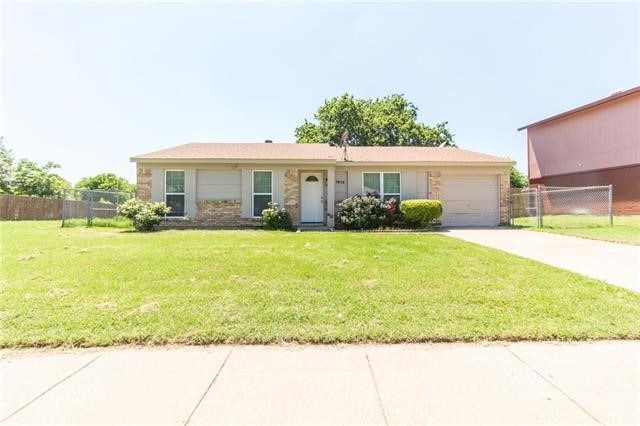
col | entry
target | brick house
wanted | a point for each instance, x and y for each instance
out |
(229, 184)
(595, 144)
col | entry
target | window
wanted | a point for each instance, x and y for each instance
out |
(385, 185)
(174, 191)
(262, 191)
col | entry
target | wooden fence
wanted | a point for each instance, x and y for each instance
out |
(19, 207)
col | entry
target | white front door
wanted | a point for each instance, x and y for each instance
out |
(311, 198)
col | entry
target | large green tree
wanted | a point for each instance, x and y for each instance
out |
(106, 181)
(32, 179)
(6, 168)
(388, 121)
(517, 178)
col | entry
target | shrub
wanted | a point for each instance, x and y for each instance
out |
(143, 215)
(276, 218)
(366, 212)
(420, 212)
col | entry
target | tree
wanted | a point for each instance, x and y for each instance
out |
(6, 168)
(387, 121)
(107, 182)
(517, 178)
(32, 179)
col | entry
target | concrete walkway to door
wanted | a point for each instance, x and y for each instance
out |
(617, 264)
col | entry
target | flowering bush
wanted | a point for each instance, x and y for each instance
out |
(143, 215)
(276, 218)
(366, 212)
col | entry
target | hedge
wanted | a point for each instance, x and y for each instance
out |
(420, 212)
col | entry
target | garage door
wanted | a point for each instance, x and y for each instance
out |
(470, 201)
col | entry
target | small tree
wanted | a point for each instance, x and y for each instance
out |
(6, 168)
(32, 179)
(517, 178)
(107, 182)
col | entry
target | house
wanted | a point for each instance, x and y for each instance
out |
(595, 144)
(229, 184)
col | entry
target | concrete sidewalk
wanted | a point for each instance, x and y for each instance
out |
(434, 383)
(617, 264)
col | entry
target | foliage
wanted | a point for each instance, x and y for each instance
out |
(257, 287)
(276, 218)
(366, 212)
(387, 121)
(32, 179)
(6, 168)
(145, 216)
(107, 182)
(517, 178)
(420, 212)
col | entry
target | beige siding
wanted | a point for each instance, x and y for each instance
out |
(219, 185)
(422, 190)
(408, 184)
(341, 186)
(157, 185)
(190, 208)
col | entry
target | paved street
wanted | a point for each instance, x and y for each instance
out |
(617, 264)
(585, 383)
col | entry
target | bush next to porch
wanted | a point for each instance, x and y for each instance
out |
(367, 212)
(420, 212)
(276, 218)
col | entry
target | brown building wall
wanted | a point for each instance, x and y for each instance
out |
(625, 181)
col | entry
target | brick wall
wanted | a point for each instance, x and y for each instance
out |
(505, 188)
(215, 214)
(292, 194)
(626, 190)
(143, 183)
(435, 185)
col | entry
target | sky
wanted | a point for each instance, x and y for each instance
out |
(90, 85)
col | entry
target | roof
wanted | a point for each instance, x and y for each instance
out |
(609, 98)
(278, 152)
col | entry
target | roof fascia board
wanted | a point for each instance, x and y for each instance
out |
(585, 107)
(328, 162)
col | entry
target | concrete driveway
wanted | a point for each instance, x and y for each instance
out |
(525, 383)
(617, 264)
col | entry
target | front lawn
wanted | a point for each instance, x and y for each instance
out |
(102, 286)
(625, 229)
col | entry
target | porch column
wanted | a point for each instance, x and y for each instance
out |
(331, 196)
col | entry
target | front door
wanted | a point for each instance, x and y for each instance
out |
(311, 198)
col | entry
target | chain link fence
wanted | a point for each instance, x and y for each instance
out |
(565, 206)
(89, 204)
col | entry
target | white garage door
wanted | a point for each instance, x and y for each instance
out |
(470, 201)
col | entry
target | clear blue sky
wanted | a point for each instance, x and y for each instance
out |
(88, 86)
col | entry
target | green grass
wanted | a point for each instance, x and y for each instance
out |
(625, 229)
(116, 222)
(103, 286)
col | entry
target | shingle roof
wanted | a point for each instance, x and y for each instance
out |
(318, 152)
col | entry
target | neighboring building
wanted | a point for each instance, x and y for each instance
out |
(229, 184)
(595, 144)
